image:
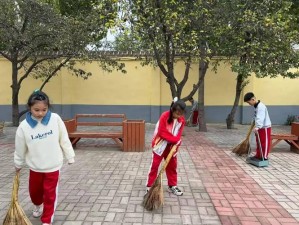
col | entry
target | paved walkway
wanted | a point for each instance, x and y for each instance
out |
(106, 186)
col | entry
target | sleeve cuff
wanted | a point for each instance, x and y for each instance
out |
(18, 166)
(71, 161)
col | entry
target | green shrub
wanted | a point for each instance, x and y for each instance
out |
(291, 119)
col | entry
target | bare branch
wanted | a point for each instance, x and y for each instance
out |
(55, 71)
(186, 74)
(5, 55)
(32, 66)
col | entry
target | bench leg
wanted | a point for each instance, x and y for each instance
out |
(293, 143)
(275, 143)
(74, 141)
(118, 141)
(295, 147)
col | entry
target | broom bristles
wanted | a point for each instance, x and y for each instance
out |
(242, 148)
(15, 214)
(154, 197)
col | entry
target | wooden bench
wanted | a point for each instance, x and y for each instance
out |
(288, 138)
(114, 120)
(292, 139)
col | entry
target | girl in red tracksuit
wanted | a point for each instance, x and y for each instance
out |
(167, 133)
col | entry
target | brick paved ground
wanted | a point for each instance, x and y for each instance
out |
(106, 186)
(272, 192)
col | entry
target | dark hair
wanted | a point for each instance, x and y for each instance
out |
(179, 105)
(248, 96)
(38, 95)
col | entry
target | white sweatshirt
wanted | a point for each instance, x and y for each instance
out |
(261, 116)
(42, 144)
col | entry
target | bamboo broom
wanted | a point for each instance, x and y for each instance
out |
(154, 197)
(244, 146)
(15, 214)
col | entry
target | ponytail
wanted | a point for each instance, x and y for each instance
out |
(38, 95)
(176, 105)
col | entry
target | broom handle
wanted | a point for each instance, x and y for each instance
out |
(250, 130)
(259, 143)
(189, 118)
(170, 154)
(15, 189)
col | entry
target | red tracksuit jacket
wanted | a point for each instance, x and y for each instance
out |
(171, 133)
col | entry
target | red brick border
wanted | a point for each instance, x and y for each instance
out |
(238, 199)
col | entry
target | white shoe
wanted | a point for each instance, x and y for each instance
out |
(146, 190)
(46, 223)
(175, 190)
(37, 211)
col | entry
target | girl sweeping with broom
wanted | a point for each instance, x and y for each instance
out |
(167, 133)
(41, 142)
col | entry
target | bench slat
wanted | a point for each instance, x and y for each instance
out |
(99, 123)
(75, 135)
(284, 136)
(288, 138)
(100, 115)
(95, 135)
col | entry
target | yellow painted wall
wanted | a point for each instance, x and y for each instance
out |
(220, 86)
(146, 86)
(5, 81)
(278, 91)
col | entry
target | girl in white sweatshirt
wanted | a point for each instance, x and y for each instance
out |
(41, 142)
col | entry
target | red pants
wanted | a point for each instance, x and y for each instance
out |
(265, 137)
(195, 118)
(43, 189)
(171, 172)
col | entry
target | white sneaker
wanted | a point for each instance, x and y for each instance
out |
(37, 211)
(46, 223)
(175, 190)
(146, 190)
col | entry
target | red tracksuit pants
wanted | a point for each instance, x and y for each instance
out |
(265, 138)
(171, 169)
(195, 118)
(43, 189)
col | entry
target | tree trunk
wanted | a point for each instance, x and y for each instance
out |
(203, 66)
(240, 83)
(170, 80)
(231, 116)
(15, 94)
(22, 113)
